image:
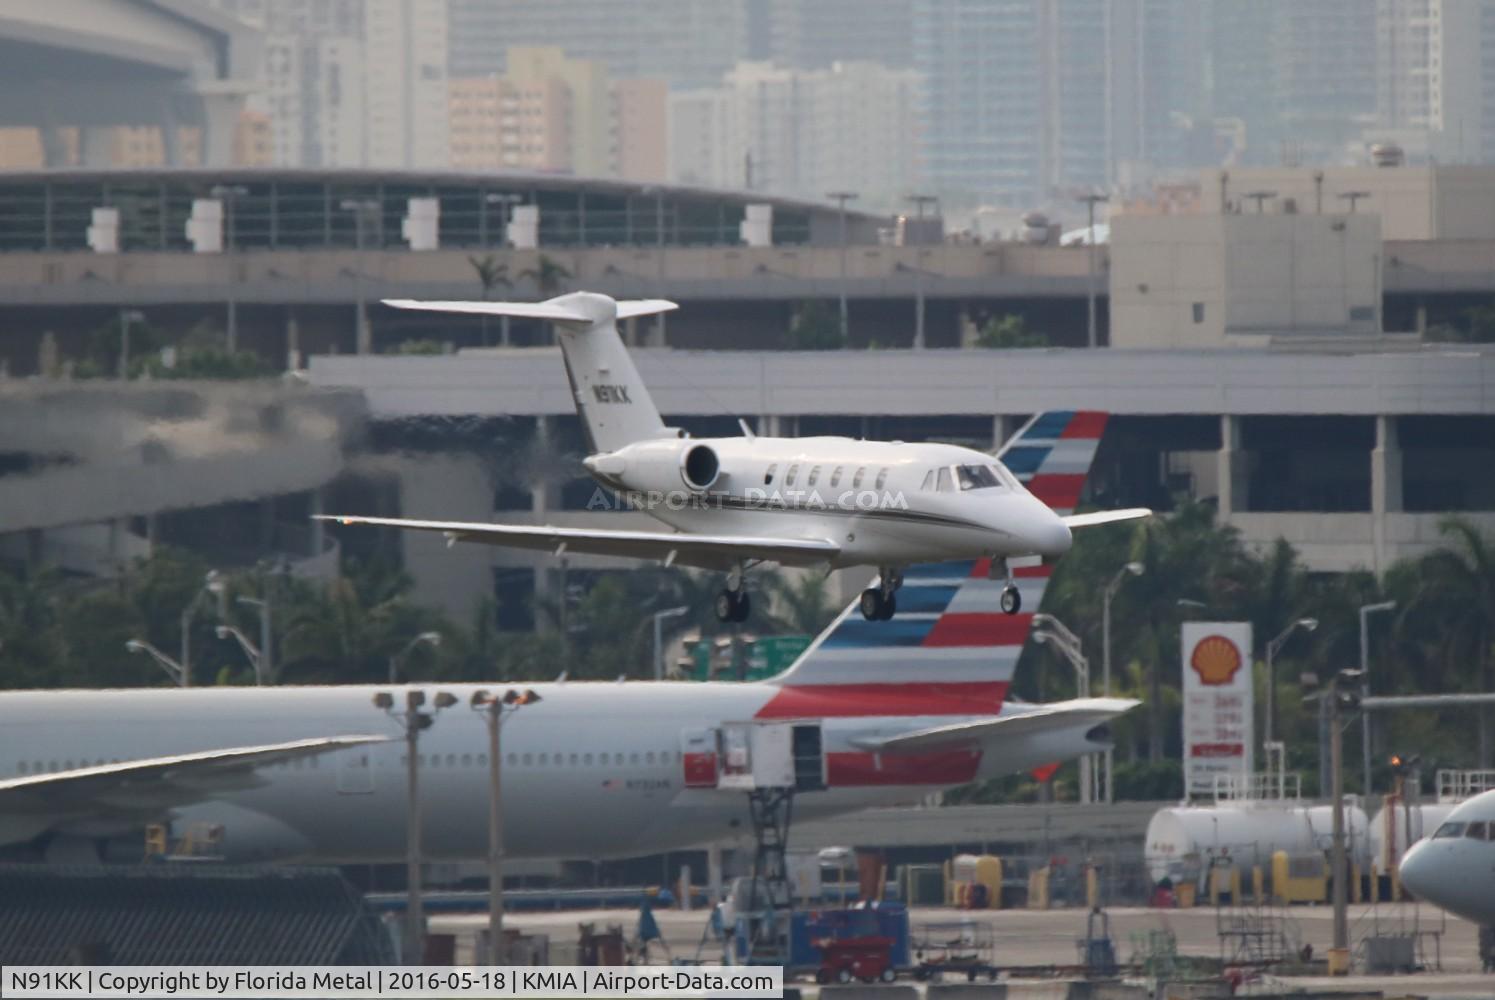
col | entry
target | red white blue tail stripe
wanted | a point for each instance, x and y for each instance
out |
(950, 650)
(1052, 455)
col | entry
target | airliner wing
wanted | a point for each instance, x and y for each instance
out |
(990, 735)
(153, 783)
(705, 551)
(1105, 517)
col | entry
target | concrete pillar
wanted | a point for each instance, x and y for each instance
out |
(768, 426)
(54, 147)
(1385, 485)
(714, 873)
(220, 120)
(293, 342)
(1232, 469)
(166, 121)
(1002, 429)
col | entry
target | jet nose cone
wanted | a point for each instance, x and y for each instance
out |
(1048, 535)
(1416, 870)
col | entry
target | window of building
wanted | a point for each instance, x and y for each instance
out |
(1199, 312)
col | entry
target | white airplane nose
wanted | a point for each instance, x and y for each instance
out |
(1415, 870)
(1048, 535)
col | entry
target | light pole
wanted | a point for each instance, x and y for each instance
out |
(659, 617)
(919, 200)
(841, 198)
(1307, 625)
(126, 317)
(1090, 201)
(228, 193)
(266, 664)
(250, 651)
(1366, 610)
(176, 671)
(413, 720)
(1130, 569)
(398, 659)
(1342, 691)
(493, 709)
(1051, 631)
(363, 210)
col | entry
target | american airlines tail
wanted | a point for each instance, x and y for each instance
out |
(611, 399)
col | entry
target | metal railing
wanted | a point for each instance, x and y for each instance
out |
(1456, 786)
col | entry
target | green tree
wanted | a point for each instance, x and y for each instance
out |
(803, 602)
(491, 274)
(814, 326)
(548, 274)
(1010, 331)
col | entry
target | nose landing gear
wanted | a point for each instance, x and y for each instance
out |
(1012, 598)
(880, 603)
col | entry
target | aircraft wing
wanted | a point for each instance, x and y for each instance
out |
(154, 783)
(704, 551)
(1105, 517)
(1003, 733)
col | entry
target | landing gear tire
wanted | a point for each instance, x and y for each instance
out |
(877, 606)
(1012, 599)
(733, 606)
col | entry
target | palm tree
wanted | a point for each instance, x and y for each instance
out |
(803, 602)
(548, 274)
(492, 273)
(1456, 597)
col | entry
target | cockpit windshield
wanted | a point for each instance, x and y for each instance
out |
(979, 477)
(1447, 830)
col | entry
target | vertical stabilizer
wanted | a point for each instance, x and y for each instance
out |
(611, 399)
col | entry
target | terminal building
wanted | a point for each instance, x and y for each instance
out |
(1296, 346)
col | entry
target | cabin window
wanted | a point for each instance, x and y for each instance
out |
(1449, 830)
(586, 759)
(976, 477)
(836, 477)
(814, 476)
(467, 760)
(482, 760)
(789, 479)
(882, 477)
(1006, 476)
(633, 759)
(856, 480)
(513, 760)
(768, 476)
(945, 483)
(573, 760)
(529, 759)
(928, 483)
(649, 757)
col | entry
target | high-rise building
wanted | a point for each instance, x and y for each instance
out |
(640, 130)
(851, 126)
(813, 34)
(405, 83)
(686, 43)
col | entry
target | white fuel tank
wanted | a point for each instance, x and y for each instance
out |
(1396, 827)
(1182, 840)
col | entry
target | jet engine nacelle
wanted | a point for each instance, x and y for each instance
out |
(660, 465)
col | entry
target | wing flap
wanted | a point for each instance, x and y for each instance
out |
(158, 781)
(1105, 517)
(1041, 719)
(706, 551)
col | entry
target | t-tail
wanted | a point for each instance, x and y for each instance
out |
(614, 406)
(951, 650)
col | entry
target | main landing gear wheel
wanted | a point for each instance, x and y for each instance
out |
(1012, 600)
(877, 606)
(733, 606)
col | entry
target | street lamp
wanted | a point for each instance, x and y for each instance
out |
(1130, 569)
(1366, 611)
(364, 210)
(126, 317)
(1051, 631)
(266, 664)
(228, 193)
(659, 617)
(841, 198)
(920, 201)
(1307, 625)
(250, 651)
(413, 721)
(395, 661)
(494, 708)
(1343, 691)
(1090, 201)
(176, 671)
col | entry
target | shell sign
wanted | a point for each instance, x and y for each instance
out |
(1215, 660)
(1218, 717)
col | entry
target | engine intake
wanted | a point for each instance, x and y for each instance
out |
(700, 468)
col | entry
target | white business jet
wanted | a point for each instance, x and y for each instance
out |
(733, 503)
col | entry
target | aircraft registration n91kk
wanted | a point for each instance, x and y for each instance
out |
(833, 502)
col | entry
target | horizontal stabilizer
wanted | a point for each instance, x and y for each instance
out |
(1105, 517)
(1063, 715)
(553, 310)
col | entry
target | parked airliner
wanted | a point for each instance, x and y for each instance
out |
(591, 770)
(734, 503)
(1455, 867)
